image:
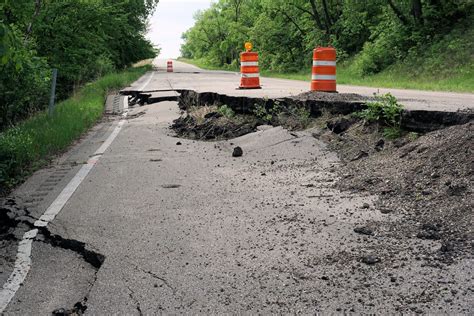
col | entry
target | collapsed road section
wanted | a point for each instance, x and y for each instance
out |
(316, 103)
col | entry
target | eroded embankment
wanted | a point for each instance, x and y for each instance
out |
(317, 103)
(314, 103)
(427, 180)
(207, 114)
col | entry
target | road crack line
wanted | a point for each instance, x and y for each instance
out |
(135, 300)
(163, 280)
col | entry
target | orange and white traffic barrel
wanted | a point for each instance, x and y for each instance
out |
(324, 70)
(249, 70)
(169, 67)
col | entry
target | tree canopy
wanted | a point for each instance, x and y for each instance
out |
(284, 32)
(84, 39)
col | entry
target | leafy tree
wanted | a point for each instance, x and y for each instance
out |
(24, 78)
(379, 32)
(84, 39)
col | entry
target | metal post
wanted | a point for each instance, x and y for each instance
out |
(53, 92)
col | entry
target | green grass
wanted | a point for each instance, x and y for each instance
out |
(402, 77)
(30, 144)
(399, 76)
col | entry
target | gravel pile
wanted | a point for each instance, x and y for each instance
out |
(330, 97)
(428, 182)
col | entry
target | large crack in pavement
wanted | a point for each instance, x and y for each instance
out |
(135, 300)
(315, 102)
(93, 258)
(16, 220)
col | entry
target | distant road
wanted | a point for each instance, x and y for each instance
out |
(225, 82)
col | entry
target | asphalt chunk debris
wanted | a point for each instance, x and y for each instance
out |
(238, 152)
(364, 230)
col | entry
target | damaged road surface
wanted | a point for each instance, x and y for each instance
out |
(174, 226)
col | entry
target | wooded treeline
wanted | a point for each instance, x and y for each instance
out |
(84, 39)
(378, 32)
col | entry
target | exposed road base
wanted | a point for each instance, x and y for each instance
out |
(316, 103)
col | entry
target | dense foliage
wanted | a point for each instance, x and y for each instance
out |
(374, 34)
(84, 39)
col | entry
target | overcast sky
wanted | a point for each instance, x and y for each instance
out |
(171, 19)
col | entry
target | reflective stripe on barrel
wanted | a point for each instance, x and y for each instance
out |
(324, 70)
(250, 72)
(256, 75)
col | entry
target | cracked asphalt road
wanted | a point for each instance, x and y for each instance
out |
(189, 229)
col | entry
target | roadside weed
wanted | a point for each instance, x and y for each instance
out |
(387, 111)
(391, 133)
(226, 111)
(412, 136)
(267, 114)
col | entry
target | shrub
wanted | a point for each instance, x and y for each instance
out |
(388, 44)
(267, 114)
(387, 111)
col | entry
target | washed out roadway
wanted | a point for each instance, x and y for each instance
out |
(186, 228)
(188, 77)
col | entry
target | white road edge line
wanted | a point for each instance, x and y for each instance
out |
(23, 258)
(147, 82)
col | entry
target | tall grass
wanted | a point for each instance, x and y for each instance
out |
(28, 145)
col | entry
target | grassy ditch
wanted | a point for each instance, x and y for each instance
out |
(397, 77)
(28, 145)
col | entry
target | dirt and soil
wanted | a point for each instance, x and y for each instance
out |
(427, 182)
(330, 97)
(206, 123)
(424, 188)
